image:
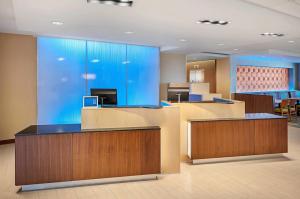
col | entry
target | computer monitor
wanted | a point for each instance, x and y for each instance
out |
(105, 96)
(174, 96)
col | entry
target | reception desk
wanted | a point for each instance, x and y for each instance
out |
(167, 118)
(65, 153)
(173, 120)
(205, 111)
(256, 134)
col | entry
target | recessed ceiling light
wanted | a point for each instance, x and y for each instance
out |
(271, 34)
(182, 40)
(124, 3)
(220, 44)
(57, 23)
(213, 22)
(291, 41)
(128, 32)
(236, 49)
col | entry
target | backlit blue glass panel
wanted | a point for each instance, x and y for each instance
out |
(68, 69)
(106, 68)
(61, 83)
(143, 75)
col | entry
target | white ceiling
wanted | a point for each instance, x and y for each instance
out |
(163, 23)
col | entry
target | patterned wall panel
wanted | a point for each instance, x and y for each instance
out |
(255, 79)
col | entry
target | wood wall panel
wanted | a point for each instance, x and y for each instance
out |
(215, 139)
(43, 159)
(115, 154)
(209, 72)
(18, 83)
(256, 103)
(271, 136)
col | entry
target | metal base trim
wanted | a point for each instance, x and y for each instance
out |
(236, 159)
(68, 184)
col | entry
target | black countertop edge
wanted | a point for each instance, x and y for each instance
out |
(248, 116)
(73, 128)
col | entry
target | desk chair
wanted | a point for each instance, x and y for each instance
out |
(283, 108)
(293, 107)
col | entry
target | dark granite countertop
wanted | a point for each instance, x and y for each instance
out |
(72, 128)
(131, 106)
(249, 116)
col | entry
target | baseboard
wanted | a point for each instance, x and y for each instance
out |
(10, 141)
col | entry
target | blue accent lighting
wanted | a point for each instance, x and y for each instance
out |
(68, 69)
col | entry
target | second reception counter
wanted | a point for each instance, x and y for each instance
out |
(256, 134)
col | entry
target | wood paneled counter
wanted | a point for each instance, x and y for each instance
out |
(255, 134)
(59, 153)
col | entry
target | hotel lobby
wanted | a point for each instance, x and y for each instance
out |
(150, 99)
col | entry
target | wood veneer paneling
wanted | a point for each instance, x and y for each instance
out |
(256, 103)
(90, 155)
(271, 136)
(209, 67)
(215, 139)
(43, 159)
(114, 154)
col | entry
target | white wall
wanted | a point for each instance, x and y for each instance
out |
(172, 69)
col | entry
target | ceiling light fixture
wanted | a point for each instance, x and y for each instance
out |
(271, 34)
(57, 23)
(213, 22)
(220, 44)
(291, 41)
(236, 49)
(123, 3)
(182, 40)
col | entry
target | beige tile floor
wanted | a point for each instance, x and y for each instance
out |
(274, 178)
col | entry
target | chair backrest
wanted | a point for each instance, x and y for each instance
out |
(293, 103)
(195, 98)
(284, 103)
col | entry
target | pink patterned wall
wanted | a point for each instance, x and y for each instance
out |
(253, 78)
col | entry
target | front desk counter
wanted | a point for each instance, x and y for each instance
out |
(202, 111)
(172, 119)
(166, 117)
(256, 134)
(64, 153)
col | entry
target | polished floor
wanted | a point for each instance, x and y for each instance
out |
(263, 178)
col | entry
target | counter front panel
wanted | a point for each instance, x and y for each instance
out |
(59, 157)
(256, 134)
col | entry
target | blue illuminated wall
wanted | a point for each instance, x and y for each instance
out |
(61, 64)
(68, 69)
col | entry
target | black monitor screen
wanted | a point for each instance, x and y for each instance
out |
(174, 96)
(105, 96)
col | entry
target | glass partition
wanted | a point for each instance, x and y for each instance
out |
(68, 69)
(61, 66)
(143, 75)
(106, 68)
